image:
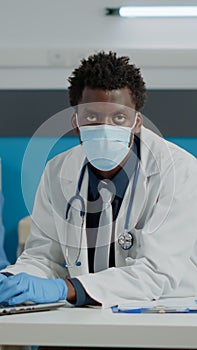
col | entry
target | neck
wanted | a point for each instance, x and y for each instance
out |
(105, 174)
(109, 174)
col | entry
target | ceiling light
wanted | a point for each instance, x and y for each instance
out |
(153, 11)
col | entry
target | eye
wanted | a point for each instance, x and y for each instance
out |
(91, 118)
(120, 119)
(88, 118)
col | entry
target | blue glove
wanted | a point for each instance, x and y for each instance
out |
(23, 287)
(2, 277)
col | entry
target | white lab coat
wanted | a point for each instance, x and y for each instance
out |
(163, 261)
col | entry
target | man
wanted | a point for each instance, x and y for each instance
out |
(149, 247)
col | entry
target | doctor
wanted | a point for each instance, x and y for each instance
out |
(149, 249)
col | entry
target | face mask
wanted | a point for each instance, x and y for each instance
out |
(105, 145)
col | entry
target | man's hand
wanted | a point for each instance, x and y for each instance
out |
(2, 277)
(23, 287)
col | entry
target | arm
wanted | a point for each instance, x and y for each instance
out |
(43, 254)
(163, 265)
(77, 294)
(71, 296)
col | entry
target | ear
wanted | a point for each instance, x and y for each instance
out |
(74, 120)
(74, 124)
(139, 122)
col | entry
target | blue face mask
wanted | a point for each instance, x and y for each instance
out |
(105, 145)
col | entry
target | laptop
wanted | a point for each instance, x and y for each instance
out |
(6, 309)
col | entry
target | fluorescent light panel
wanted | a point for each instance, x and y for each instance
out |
(158, 11)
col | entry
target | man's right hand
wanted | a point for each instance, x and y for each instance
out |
(23, 287)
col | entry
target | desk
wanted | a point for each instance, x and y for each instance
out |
(101, 328)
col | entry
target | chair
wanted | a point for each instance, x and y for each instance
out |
(23, 232)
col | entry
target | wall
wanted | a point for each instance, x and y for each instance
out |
(12, 153)
(42, 40)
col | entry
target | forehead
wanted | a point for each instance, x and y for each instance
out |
(121, 97)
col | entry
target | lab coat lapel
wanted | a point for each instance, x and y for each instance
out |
(148, 167)
(73, 228)
(138, 204)
(70, 173)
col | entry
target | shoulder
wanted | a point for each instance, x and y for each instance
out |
(73, 152)
(165, 152)
(66, 162)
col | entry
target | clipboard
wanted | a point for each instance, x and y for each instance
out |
(160, 306)
(155, 310)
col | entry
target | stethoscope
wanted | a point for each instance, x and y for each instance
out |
(125, 239)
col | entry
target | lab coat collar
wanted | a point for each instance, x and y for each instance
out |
(71, 170)
(150, 159)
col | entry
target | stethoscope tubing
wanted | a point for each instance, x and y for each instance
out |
(134, 185)
(78, 197)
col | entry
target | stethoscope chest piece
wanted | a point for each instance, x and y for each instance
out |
(125, 240)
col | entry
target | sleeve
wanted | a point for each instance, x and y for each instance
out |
(164, 265)
(7, 274)
(82, 298)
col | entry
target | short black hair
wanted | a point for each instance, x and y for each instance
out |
(106, 71)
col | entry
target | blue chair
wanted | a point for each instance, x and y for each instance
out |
(3, 259)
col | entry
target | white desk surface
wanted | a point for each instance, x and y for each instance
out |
(101, 328)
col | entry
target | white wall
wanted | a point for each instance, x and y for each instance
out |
(42, 40)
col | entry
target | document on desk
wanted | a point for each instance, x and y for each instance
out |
(161, 306)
